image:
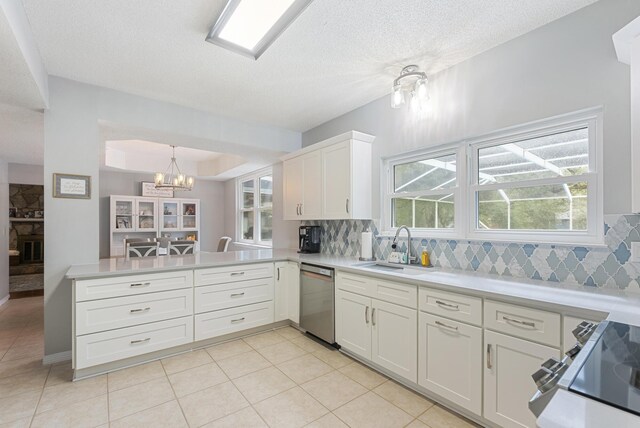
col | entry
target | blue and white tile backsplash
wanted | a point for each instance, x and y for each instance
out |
(603, 267)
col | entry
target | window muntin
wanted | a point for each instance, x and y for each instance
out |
(424, 212)
(425, 174)
(255, 212)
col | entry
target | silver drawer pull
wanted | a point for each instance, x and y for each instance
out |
(141, 284)
(441, 324)
(133, 311)
(237, 294)
(133, 342)
(489, 365)
(238, 320)
(447, 305)
(520, 322)
(237, 273)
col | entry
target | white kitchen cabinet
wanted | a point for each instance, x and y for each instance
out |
(303, 187)
(281, 291)
(353, 323)
(509, 363)
(292, 277)
(450, 360)
(180, 215)
(292, 172)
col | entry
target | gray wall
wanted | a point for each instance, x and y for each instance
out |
(72, 139)
(210, 193)
(20, 173)
(567, 65)
(4, 229)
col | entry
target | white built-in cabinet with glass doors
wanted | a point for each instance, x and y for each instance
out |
(179, 215)
(255, 210)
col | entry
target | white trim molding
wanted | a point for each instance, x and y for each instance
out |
(57, 358)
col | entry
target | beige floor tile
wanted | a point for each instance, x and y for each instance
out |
(417, 424)
(333, 357)
(68, 393)
(289, 333)
(264, 339)
(404, 398)
(167, 415)
(292, 408)
(308, 344)
(281, 352)
(334, 389)
(245, 418)
(20, 423)
(10, 368)
(62, 373)
(228, 349)
(87, 413)
(20, 352)
(186, 361)
(139, 397)
(305, 368)
(327, 421)
(263, 384)
(134, 375)
(372, 411)
(28, 381)
(439, 417)
(363, 375)
(243, 364)
(212, 403)
(18, 406)
(29, 340)
(196, 379)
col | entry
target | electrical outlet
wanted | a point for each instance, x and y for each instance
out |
(635, 252)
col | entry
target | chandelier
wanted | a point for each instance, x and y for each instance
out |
(411, 84)
(172, 178)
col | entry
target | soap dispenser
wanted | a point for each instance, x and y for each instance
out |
(425, 257)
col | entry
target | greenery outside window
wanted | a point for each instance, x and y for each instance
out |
(255, 210)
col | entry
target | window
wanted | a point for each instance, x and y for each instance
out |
(423, 192)
(540, 182)
(255, 213)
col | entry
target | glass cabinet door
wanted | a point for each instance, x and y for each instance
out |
(124, 215)
(146, 212)
(189, 215)
(170, 215)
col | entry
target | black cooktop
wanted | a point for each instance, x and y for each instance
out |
(611, 372)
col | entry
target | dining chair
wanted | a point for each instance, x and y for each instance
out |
(223, 244)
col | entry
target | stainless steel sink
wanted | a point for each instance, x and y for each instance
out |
(394, 268)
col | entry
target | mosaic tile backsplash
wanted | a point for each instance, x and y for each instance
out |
(603, 267)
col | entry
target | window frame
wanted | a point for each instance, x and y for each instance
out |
(257, 209)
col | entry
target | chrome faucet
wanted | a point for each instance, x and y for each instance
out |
(395, 242)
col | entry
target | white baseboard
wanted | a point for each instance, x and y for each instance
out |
(4, 300)
(56, 358)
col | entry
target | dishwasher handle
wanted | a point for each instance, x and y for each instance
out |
(322, 271)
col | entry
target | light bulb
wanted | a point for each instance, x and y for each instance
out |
(414, 102)
(397, 98)
(180, 178)
(159, 179)
(190, 181)
(422, 90)
(175, 181)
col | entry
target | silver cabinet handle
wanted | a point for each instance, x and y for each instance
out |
(446, 305)
(133, 311)
(133, 342)
(347, 205)
(489, 366)
(373, 316)
(237, 273)
(301, 205)
(297, 209)
(520, 322)
(237, 294)
(140, 284)
(278, 269)
(441, 324)
(238, 320)
(366, 314)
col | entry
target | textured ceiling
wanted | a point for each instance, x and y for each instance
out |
(337, 56)
(21, 135)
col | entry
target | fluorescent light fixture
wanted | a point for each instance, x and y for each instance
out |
(248, 27)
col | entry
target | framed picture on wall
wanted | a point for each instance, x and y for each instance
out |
(71, 186)
(149, 189)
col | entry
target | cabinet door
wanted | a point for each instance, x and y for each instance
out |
(509, 363)
(450, 360)
(353, 323)
(336, 192)
(293, 291)
(170, 215)
(146, 214)
(281, 291)
(293, 177)
(189, 215)
(312, 186)
(395, 338)
(123, 214)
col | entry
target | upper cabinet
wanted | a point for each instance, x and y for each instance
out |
(329, 180)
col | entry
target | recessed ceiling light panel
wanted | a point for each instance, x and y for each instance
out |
(248, 27)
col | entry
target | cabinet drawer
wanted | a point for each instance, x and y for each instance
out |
(531, 324)
(118, 286)
(108, 346)
(451, 305)
(400, 294)
(214, 297)
(233, 274)
(108, 314)
(354, 283)
(218, 323)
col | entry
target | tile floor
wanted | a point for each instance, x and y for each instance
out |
(275, 379)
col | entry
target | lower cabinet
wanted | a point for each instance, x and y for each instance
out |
(450, 360)
(218, 323)
(509, 363)
(287, 291)
(378, 331)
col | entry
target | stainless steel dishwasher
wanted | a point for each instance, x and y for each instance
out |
(317, 301)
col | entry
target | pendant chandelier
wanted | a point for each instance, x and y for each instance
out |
(411, 85)
(172, 178)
